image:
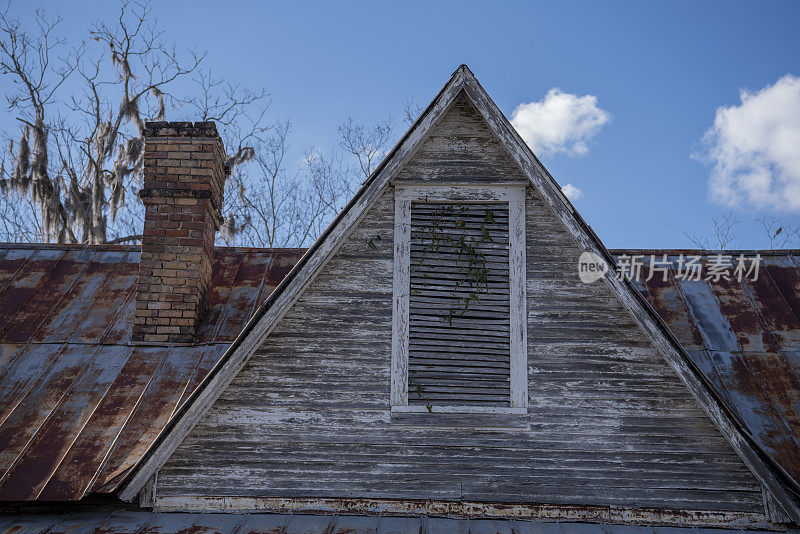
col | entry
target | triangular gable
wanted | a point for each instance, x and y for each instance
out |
(269, 314)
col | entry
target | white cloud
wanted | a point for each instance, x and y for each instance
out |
(572, 192)
(755, 149)
(561, 122)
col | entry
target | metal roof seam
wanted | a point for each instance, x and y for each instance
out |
(725, 392)
(749, 294)
(32, 383)
(68, 290)
(218, 326)
(129, 296)
(112, 446)
(256, 303)
(780, 291)
(80, 432)
(777, 413)
(14, 276)
(95, 296)
(49, 416)
(10, 318)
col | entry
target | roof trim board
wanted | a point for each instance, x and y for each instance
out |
(270, 313)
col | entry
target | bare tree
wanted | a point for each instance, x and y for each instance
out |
(411, 110)
(723, 233)
(74, 168)
(78, 157)
(30, 61)
(273, 207)
(699, 241)
(778, 234)
(366, 145)
(724, 230)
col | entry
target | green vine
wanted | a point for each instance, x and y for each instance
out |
(443, 232)
(414, 385)
(470, 260)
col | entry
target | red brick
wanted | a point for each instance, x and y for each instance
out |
(178, 235)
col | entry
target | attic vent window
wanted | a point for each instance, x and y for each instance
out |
(459, 300)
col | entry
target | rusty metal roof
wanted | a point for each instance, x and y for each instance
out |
(140, 522)
(80, 403)
(745, 338)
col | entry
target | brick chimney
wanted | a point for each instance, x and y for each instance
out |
(184, 176)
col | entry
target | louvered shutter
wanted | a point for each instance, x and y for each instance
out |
(459, 350)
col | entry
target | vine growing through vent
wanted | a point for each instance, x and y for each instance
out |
(448, 230)
(470, 261)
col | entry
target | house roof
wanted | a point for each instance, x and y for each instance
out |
(80, 403)
(135, 522)
(461, 82)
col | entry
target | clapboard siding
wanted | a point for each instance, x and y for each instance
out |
(608, 421)
(461, 149)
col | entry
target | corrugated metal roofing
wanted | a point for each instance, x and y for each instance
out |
(80, 403)
(745, 338)
(139, 522)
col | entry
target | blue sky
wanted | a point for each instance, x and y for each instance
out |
(659, 70)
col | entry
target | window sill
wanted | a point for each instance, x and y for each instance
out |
(507, 410)
(499, 419)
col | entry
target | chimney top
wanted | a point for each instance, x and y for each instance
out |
(180, 129)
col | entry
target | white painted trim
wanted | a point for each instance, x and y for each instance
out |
(518, 311)
(461, 409)
(512, 195)
(459, 192)
(400, 300)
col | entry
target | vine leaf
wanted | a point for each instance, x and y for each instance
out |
(417, 388)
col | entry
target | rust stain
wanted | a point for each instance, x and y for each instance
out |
(786, 277)
(758, 374)
(23, 286)
(779, 317)
(223, 274)
(666, 299)
(78, 468)
(80, 404)
(744, 318)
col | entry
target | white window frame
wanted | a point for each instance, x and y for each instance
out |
(404, 195)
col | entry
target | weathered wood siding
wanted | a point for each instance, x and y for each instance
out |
(461, 149)
(608, 422)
